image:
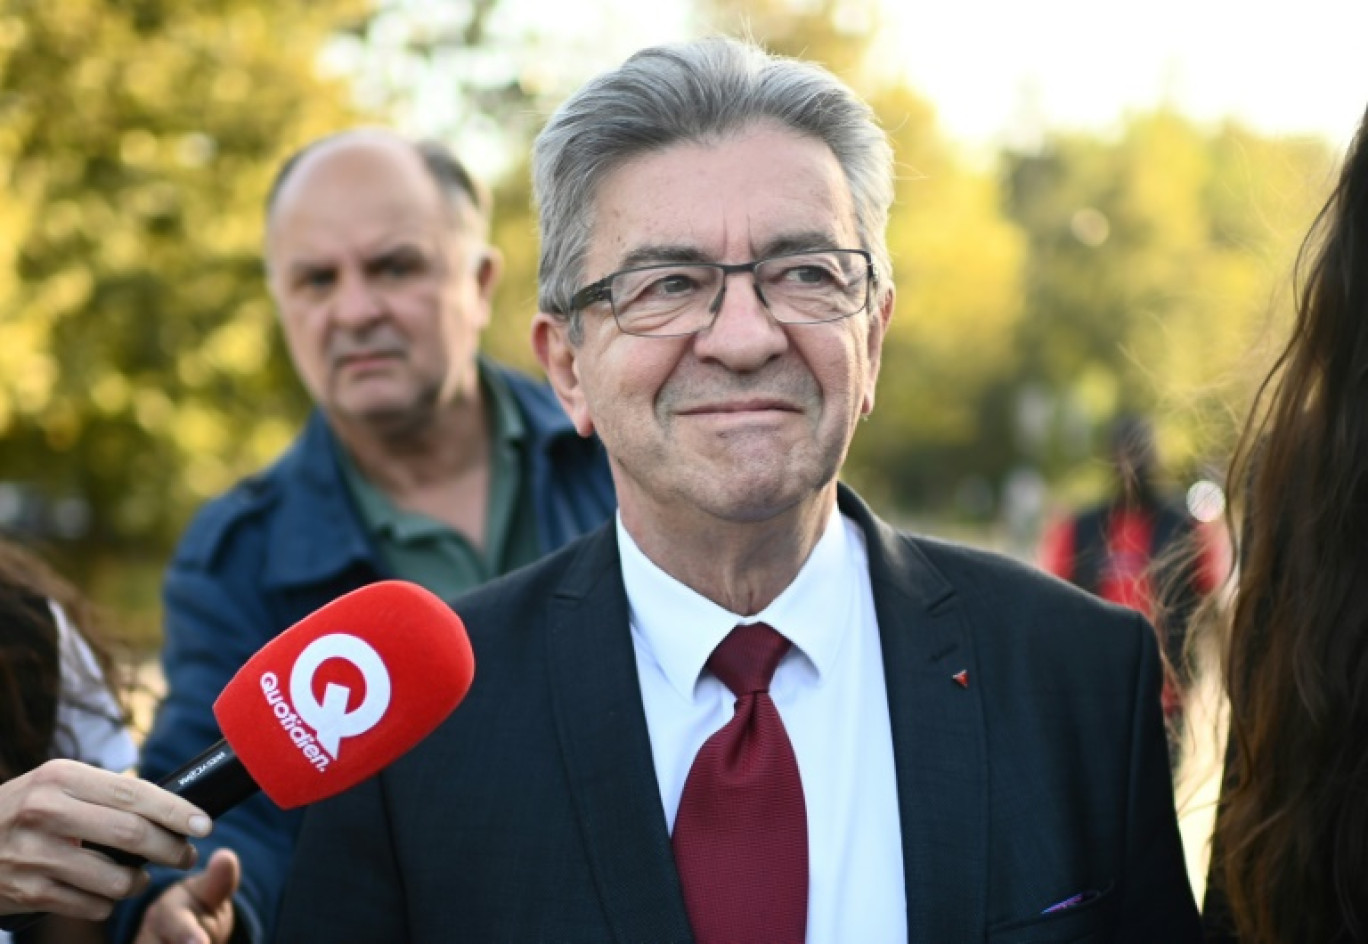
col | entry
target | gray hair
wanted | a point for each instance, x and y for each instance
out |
(695, 92)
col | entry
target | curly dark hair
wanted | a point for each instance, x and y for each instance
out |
(30, 658)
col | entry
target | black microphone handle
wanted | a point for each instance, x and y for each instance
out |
(215, 781)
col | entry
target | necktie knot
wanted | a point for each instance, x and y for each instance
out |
(745, 661)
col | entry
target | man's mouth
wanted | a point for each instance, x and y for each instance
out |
(362, 360)
(748, 405)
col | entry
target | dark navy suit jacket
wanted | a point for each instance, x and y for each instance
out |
(533, 812)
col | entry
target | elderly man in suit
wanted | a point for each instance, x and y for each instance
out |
(749, 710)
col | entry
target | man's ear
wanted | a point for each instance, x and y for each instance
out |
(489, 271)
(560, 359)
(878, 328)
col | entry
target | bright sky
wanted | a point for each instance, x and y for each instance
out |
(992, 66)
(1000, 71)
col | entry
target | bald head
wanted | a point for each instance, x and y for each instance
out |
(468, 202)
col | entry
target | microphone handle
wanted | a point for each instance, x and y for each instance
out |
(215, 781)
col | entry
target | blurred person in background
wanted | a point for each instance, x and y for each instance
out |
(1139, 548)
(1290, 853)
(423, 461)
(62, 742)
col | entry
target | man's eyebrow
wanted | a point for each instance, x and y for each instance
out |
(665, 254)
(300, 267)
(397, 252)
(800, 242)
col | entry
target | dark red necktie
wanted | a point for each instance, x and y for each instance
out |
(740, 836)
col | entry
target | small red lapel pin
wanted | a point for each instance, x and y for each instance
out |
(961, 678)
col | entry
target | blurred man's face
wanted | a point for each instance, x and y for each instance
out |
(748, 417)
(381, 296)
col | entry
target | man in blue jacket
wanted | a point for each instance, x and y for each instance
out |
(423, 461)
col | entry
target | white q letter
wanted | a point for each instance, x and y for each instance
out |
(330, 719)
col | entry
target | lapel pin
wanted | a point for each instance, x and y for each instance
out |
(961, 678)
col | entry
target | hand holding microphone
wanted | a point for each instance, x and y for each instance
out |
(326, 704)
(42, 811)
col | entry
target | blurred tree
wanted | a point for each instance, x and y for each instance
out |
(140, 367)
(957, 259)
(515, 300)
(1158, 259)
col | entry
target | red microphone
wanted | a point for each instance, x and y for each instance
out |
(333, 699)
(345, 691)
(330, 701)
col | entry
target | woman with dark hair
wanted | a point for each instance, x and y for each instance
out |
(1290, 853)
(56, 697)
(62, 742)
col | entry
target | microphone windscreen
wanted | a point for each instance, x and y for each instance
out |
(345, 691)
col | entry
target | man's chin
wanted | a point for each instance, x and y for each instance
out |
(384, 418)
(754, 497)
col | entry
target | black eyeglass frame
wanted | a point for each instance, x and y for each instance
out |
(600, 291)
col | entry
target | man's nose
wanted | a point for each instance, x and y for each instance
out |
(725, 280)
(356, 300)
(743, 333)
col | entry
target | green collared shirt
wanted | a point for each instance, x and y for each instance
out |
(432, 553)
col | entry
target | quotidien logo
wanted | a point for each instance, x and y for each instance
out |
(318, 727)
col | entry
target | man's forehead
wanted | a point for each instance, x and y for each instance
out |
(366, 226)
(763, 190)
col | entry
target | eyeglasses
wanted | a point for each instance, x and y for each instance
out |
(670, 301)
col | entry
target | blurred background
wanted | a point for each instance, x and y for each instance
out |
(1098, 211)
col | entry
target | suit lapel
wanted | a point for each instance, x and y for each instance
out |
(938, 736)
(606, 749)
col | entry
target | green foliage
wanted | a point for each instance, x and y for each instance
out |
(140, 365)
(515, 233)
(1159, 261)
(958, 266)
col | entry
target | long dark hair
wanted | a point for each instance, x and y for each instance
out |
(30, 657)
(1292, 833)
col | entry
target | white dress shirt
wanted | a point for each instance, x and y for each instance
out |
(829, 690)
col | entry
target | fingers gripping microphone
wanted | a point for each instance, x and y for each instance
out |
(332, 700)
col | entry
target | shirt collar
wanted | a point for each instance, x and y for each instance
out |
(506, 419)
(680, 628)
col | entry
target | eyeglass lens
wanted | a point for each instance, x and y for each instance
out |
(798, 288)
